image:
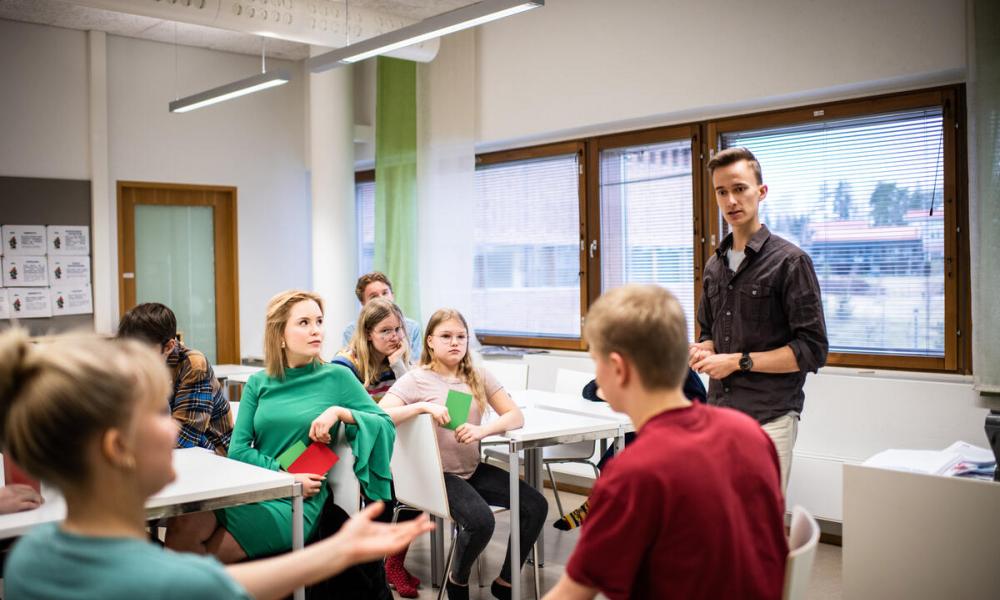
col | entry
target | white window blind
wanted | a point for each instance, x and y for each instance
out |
(364, 197)
(863, 197)
(527, 261)
(647, 221)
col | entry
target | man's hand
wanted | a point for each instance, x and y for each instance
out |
(18, 497)
(700, 351)
(718, 366)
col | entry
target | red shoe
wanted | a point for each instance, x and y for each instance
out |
(398, 578)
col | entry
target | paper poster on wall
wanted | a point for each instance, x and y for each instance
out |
(71, 300)
(29, 303)
(4, 306)
(23, 240)
(68, 240)
(25, 271)
(67, 269)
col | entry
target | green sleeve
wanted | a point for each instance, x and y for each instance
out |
(241, 446)
(371, 438)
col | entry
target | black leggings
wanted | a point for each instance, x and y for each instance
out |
(470, 500)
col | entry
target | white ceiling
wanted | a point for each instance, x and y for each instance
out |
(62, 13)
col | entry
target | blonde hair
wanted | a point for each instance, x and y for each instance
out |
(373, 313)
(646, 324)
(466, 370)
(278, 309)
(56, 399)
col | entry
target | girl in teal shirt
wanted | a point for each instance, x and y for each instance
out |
(90, 416)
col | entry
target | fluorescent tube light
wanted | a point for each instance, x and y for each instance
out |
(431, 27)
(258, 82)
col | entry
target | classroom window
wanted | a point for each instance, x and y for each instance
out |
(526, 268)
(646, 215)
(364, 198)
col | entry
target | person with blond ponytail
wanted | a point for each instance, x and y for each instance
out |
(472, 486)
(88, 416)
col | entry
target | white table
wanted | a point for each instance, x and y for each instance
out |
(205, 481)
(570, 403)
(238, 375)
(543, 427)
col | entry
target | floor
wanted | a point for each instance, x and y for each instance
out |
(824, 585)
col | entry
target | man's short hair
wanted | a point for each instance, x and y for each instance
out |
(646, 324)
(734, 155)
(151, 322)
(364, 280)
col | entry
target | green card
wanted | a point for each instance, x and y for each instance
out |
(458, 404)
(286, 458)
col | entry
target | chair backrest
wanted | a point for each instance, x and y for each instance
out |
(417, 474)
(571, 382)
(512, 376)
(802, 542)
(341, 478)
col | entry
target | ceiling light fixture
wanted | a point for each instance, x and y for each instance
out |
(431, 27)
(261, 81)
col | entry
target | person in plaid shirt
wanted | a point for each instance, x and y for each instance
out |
(197, 402)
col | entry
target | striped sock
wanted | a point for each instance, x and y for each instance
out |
(573, 519)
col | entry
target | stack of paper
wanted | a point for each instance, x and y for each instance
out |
(975, 461)
(930, 462)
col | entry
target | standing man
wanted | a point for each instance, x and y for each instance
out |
(761, 317)
(376, 285)
(197, 402)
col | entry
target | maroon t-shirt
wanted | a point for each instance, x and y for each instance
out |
(691, 509)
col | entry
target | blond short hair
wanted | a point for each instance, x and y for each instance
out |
(278, 309)
(646, 324)
(57, 398)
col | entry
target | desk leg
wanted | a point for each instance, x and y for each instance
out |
(515, 523)
(298, 535)
(437, 551)
(534, 477)
(620, 440)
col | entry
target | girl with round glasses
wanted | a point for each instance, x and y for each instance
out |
(378, 353)
(472, 486)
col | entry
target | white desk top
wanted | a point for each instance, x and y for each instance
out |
(243, 376)
(570, 403)
(228, 371)
(545, 423)
(202, 476)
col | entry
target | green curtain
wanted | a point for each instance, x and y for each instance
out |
(396, 180)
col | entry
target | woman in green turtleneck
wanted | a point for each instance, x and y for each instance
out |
(297, 398)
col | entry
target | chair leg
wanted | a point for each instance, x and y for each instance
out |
(534, 564)
(555, 490)
(597, 470)
(447, 564)
(479, 570)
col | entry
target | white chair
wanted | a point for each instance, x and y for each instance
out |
(802, 541)
(341, 478)
(418, 478)
(512, 376)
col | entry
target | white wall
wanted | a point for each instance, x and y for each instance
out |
(44, 119)
(591, 65)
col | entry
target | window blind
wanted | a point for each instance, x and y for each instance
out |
(863, 196)
(364, 197)
(527, 259)
(647, 219)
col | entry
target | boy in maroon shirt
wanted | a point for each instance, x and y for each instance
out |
(693, 508)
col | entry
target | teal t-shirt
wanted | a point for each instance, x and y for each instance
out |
(49, 563)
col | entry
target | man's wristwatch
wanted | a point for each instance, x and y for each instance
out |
(746, 363)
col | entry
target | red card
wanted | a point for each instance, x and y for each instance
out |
(14, 474)
(317, 459)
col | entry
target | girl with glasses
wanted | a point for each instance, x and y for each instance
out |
(90, 416)
(446, 366)
(378, 354)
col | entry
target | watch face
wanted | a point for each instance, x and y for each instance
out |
(746, 363)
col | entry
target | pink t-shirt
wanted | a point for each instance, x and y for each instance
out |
(423, 385)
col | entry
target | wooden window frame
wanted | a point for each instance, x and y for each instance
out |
(577, 147)
(707, 226)
(951, 99)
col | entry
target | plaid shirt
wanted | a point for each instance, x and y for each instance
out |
(197, 403)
